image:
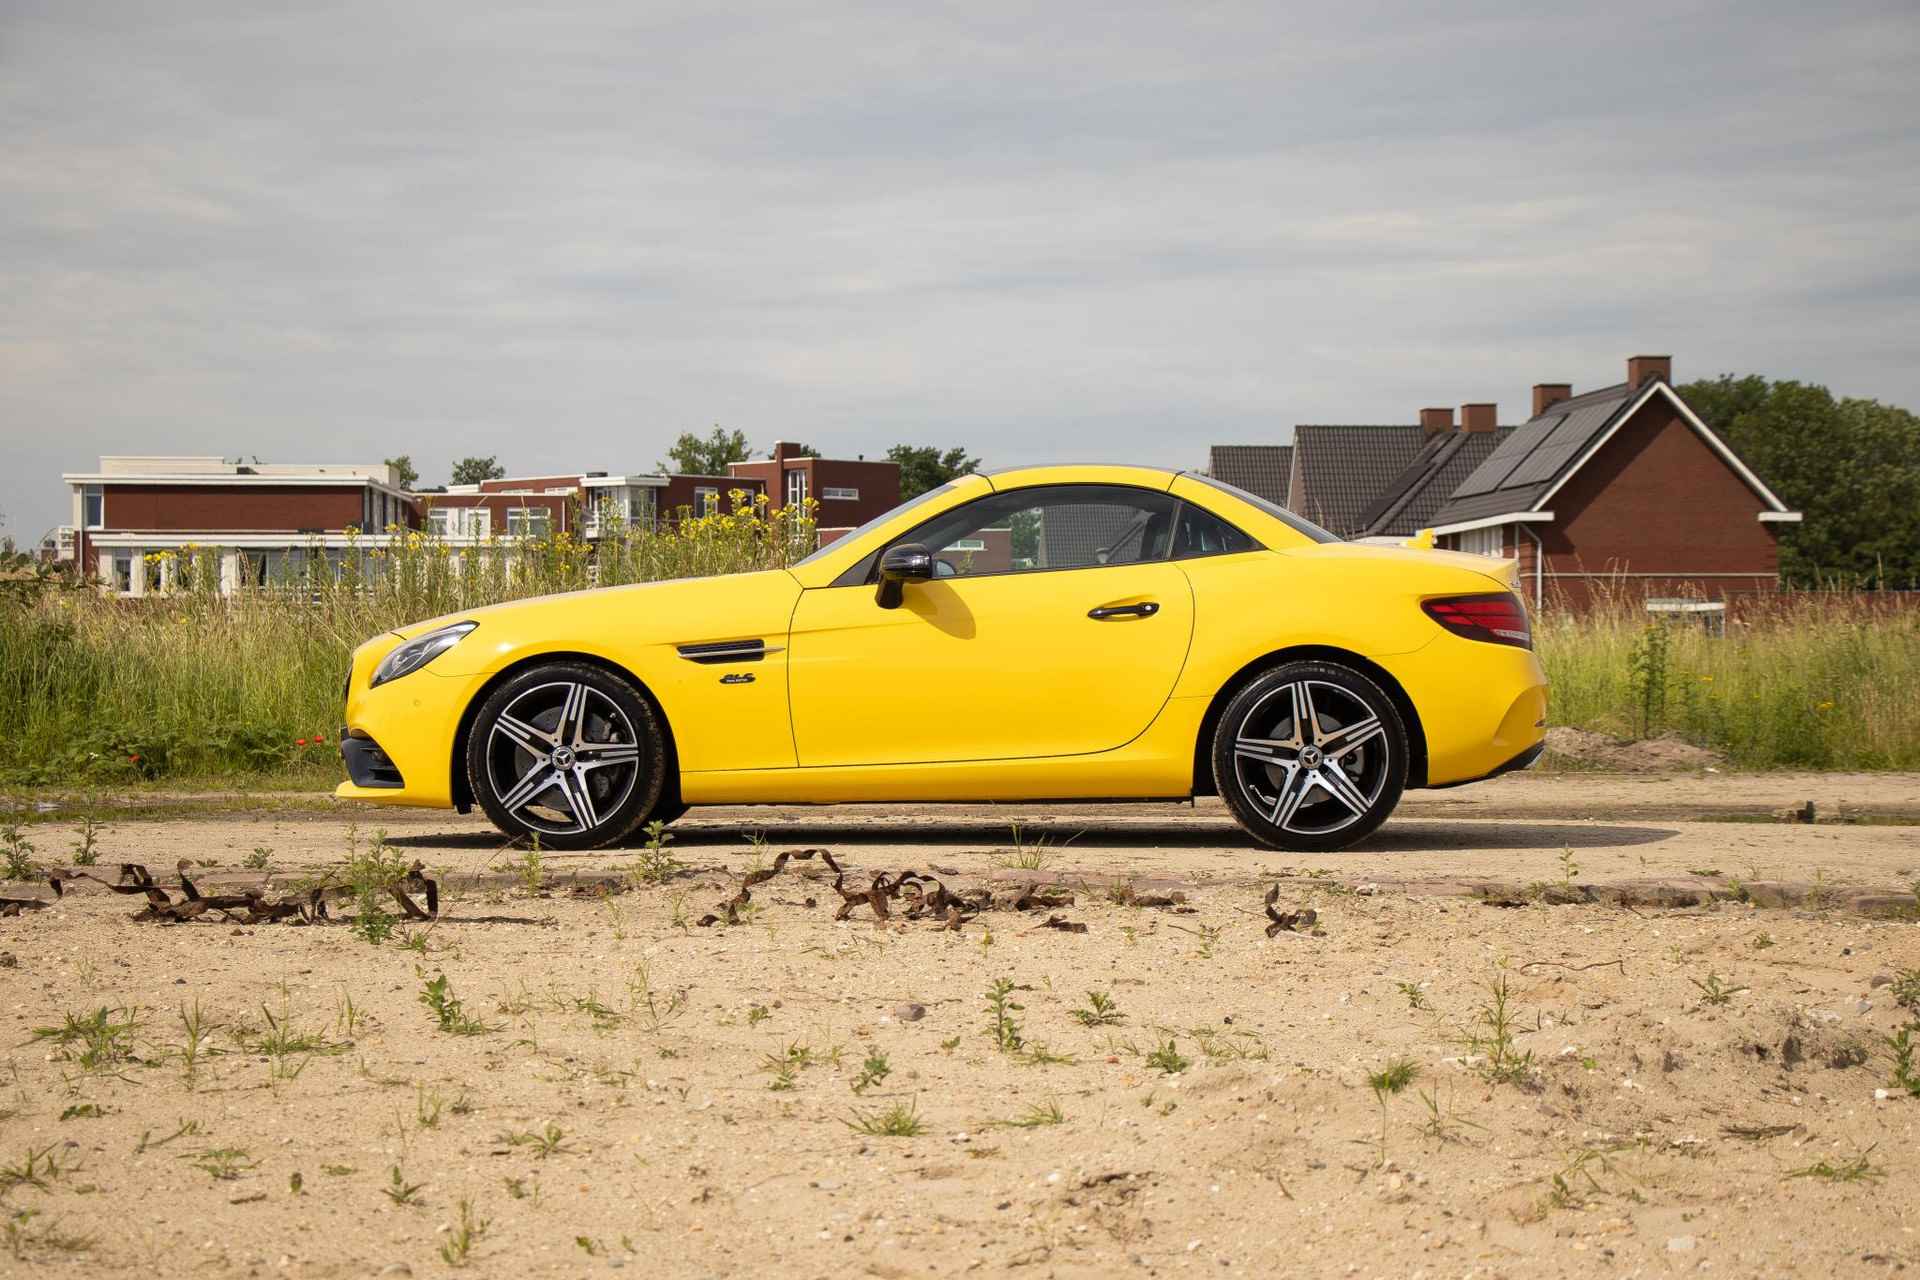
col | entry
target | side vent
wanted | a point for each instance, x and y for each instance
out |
(724, 651)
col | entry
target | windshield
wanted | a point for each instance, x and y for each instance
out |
(875, 523)
(1296, 523)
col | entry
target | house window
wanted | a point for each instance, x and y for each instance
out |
(830, 493)
(796, 486)
(123, 572)
(706, 502)
(95, 499)
(529, 522)
(439, 522)
(479, 522)
(640, 509)
(1485, 542)
(968, 544)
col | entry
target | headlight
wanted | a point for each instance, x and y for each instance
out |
(418, 652)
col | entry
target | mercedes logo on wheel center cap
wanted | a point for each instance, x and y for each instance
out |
(563, 757)
(1310, 757)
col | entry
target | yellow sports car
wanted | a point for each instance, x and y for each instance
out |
(1047, 633)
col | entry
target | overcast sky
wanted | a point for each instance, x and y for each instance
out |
(563, 233)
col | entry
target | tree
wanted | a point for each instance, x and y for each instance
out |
(403, 464)
(474, 470)
(923, 467)
(692, 456)
(1851, 466)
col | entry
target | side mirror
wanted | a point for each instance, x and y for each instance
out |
(900, 564)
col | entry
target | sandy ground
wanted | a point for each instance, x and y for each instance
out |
(621, 1106)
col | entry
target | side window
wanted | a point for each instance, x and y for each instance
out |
(1199, 532)
(1079, 526)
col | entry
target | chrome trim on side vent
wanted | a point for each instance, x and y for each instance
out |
(727, 651)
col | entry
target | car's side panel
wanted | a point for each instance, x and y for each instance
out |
(1255, 603)
(990, 668)
(1156, 765)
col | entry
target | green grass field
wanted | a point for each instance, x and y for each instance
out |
(247, 691)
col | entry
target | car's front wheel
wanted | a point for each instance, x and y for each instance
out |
(566, 752)
(1310, 757)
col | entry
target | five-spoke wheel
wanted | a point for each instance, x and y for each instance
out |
(1310, 756)
(566, 752)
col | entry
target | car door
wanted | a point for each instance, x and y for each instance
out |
(1057, 625)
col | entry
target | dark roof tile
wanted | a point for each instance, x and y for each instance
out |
(1263, 470)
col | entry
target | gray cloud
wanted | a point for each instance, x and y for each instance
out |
(564, 235)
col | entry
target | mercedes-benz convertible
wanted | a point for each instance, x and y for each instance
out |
(1047, 633)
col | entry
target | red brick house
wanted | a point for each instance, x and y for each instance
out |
(850, 492)
(261, 521)
(1622, 490)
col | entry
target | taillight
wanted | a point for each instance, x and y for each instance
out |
(1497, 617)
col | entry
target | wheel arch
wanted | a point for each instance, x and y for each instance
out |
(1203, 784)
(462, 786)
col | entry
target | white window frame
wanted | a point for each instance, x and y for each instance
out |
(967, 544)
(440, 521)
(833, 493)
(90, 493)
(706, 501)
(529, 517)
(796, 486)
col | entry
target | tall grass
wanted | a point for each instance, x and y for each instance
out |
(193, 684)
(1807, 681)
(247, 689)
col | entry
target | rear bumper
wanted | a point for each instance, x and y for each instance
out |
(1483, 706)
(1525, 760)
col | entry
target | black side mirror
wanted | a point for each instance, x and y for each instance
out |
(900, 564)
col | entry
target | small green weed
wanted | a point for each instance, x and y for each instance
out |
(448, 1013)
(901, 1120)
(1101, 1011)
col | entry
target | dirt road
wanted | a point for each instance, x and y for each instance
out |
(1617, 1085)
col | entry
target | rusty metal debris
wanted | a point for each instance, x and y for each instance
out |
(730, 909)
(1063, 924)
(250, 906)
(14, 906)
(908, 895)
(1300, 921)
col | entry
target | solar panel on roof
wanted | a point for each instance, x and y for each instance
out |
(1508, 454)
(1576, 432)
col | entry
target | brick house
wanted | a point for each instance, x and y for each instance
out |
(262, 522)
(1622, 489)
(850, 492)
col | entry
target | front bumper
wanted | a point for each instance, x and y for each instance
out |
(398, 742)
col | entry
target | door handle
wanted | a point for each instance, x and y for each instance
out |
(1145, 609)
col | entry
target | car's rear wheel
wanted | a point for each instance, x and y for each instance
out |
(566, 752)
(1310, 757)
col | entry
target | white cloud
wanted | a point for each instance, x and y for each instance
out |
(565, 234)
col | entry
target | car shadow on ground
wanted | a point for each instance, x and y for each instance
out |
(1414, 836)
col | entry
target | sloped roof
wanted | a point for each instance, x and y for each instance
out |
(1264, 470)
(1407, 503)
(1344, 468)
(1525, 465)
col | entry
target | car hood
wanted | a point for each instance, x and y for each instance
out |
(656, 596)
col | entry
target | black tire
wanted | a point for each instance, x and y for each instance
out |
(1327, 789)
(568, 752)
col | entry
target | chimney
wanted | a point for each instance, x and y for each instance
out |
(1643, 369)
(781, 449)
(1435, 422)
(1479, 417)
(1548, 394)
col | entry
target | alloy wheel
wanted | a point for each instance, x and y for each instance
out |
(1311, 757)
(562, 758)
